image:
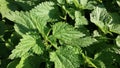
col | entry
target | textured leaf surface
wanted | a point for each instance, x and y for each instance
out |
(47, 11)
(84, 42)
(60, 33)
(65, 32)
(70, 11)
(79, 19)
(65, 57)
(40, 23)
(101, 18)
(29, 44)
(24, 22)
(28, 22)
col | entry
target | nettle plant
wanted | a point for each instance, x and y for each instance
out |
(66, 34)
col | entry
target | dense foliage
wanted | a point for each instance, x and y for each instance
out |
(59, 33)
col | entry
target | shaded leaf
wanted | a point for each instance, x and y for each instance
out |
(13, 64)
(86, 41)
(47, 10)
(24, 63)
(29, 62)
(115, 24)
(2, 28)
(98, 63)
(66, 57)
(23, 22)
(29, 44)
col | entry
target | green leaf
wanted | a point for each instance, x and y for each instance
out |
(115, 24)
(90, 5)
(53, 40)
(83, 2)
(69, 1)
(65, 32)
(29, 44)
(66, 57)
(13, 64)
(92, 62)
(61, 1)
(23, 22)
(77, 4)
(70, 12)
(29, 62)
(118, 2)
(98, 63)
(101, 18)
(80, 19)
(24, 63)
(107, 57)
(47, 10)
(118, 41)
(116, 50)
(26, 4)
(84, 42)
(96, 33)
(29, 22)
(3, 8)
(40, 24)
(6, 7)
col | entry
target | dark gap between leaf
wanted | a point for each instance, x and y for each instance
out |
(110, 5)
(53, 48)
(58, 43)
(8, 22)
(111, 38)
(0, 17)
(42, 65)
(70, 21)
(7, 35)
(91, 26)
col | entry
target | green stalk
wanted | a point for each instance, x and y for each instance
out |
(88, 60)
(77, 4)
(47, 40)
